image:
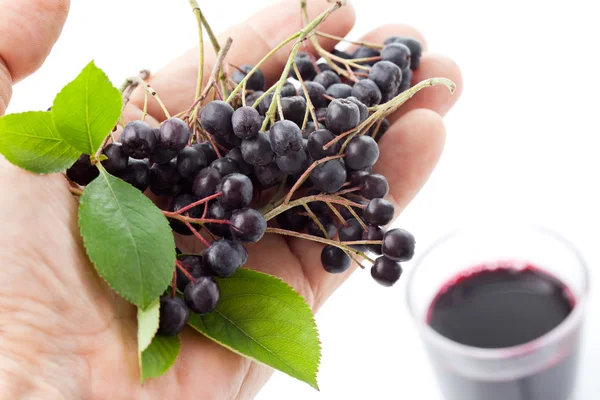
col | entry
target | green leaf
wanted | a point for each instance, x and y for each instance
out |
(159, 356)
(127, 238)
(261, 317)
(30, 141)
(87, 109)
(147, 325)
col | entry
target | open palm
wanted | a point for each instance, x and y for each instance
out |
(63, 333)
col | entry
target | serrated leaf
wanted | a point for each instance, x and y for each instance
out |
(159, 356)
(127, 238)
(87, 109)
(30, 141)
(261, 317)
(148, 320)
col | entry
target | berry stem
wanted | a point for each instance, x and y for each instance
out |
(152, 92)
(75, 191)
(359, 219)
(259, 64)
(309, 105)
(145, 109)
(342, 245)
(198, 15)
(306, 174)
(262, 96)
(349, 190)
(304, 200)
(197, 234)
(199, 202)
(303, 34)
(181, 266)
(174, 284)
(336, 212)
(212, 80)
(275, 199)
(312, 216)
(365, 59)
(356, 42)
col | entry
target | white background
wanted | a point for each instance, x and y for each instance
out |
(523, 143)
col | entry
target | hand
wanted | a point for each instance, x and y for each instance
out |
(63, 333)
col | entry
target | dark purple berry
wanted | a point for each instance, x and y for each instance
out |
(317, 140)
(236, 191)
(342, 116)
(329, 177)
(82, 171)
(164, 179)
(328, 224)
(268, 175)
(193, 265)
(246, 122)
(285, 137)
(305, 66)
(362, 152)
(236, 155)
(398, 245)
(288, 90)
(334, 260)
(294, 109)
(416, 49)
(310, 128)
(388, 77)
(379, 212)
(316, 93)
(205, 183)
(179, 202)
(258, 151)
(374, 186)
(406, 80)
(356, 177)
(137, 174)
(203, 295)
(224, 257)
(374, 233)
(265, 103)
(339, 90)
(225, 166)
(173, 134)
(215, 118)
(352, 232)
(293, 219)
(208, 150)
(366, 52)
(386, 272)
(363, 110)
(252, 97)
(398, 54)
(190, 161)
(218, 210)
(256, 80)
(327, 78)
(248, 224)
(138, 140)
(162, 156)
(291, 163)
(367, 92)
(174, 315)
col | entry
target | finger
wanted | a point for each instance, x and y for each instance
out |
(436, 98)
(28, 30)
(252, 39)
(413, 146)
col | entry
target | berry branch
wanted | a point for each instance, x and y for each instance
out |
(308, 199)
(198, 14)
(341, 245)
(356, 42)
(306, 174)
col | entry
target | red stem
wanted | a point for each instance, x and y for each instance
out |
(305, 175)
(197, 234)
(197, 203)
(181, 267)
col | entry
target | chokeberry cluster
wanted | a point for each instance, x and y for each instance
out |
(294, 159)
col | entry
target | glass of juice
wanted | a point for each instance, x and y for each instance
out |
(500, 309)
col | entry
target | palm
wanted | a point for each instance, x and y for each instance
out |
(67, 326)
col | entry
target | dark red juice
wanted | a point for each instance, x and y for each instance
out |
(500, 308)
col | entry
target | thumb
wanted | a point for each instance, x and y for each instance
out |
(28, 30)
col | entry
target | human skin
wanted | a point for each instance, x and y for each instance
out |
(63, 333)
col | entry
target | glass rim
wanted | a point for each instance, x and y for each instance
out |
(504, 352)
